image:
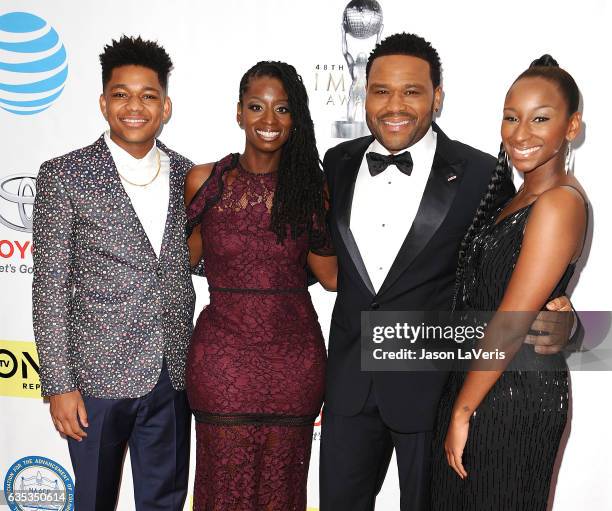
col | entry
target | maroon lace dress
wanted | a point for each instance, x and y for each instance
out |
(255, 370)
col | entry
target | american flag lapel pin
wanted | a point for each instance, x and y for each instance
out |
(451, 177)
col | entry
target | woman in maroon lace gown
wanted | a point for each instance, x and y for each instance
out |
(255, 371)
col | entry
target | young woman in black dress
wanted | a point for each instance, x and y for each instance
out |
(499, 431)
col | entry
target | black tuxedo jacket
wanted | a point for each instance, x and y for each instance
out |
(421, 277)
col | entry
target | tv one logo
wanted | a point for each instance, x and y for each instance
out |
(33, 64)
(19, 369)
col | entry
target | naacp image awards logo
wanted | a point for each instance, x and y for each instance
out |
(33, 64)
(36, 482)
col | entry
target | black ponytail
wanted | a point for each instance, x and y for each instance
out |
(501, 172)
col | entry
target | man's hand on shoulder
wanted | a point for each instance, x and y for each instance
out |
(68, 414)
(551, 330)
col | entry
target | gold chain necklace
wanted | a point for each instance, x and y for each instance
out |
(149, 182)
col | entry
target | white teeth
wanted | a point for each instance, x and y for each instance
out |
(398, 123)
(268, 135)
(526, 152)
(134, 121)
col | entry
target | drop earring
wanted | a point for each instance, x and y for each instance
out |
(569, 159)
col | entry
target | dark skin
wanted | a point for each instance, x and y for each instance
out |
(266, 120)
(536, 129)
(135, 105)
(400, 101)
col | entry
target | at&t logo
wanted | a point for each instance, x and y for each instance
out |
(17, 194)
(33, 64)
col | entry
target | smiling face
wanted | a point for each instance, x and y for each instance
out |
(536, 126)
(400, 100)
(264, 114)
(135, 105)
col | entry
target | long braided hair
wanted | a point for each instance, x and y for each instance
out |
(544, 67)
(501, 171)
(298, 199)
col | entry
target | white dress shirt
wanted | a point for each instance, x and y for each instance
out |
(384, 206)
(150, 202)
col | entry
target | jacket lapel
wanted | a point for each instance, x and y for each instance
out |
(439, 193)
(350, 163)
(108, 177)
(175, 201)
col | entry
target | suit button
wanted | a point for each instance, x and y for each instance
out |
(374, 305)
(159, 272)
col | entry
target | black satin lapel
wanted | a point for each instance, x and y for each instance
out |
(438, 196)
(344, 198)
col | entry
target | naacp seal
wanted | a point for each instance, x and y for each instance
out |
(35, 482)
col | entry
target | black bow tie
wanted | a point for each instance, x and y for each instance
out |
(379, 162)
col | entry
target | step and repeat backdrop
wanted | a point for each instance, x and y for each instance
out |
(49, 87)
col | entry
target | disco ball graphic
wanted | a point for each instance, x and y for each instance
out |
(362, 18)
(33, 64)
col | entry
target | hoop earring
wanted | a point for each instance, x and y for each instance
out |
(569, 159)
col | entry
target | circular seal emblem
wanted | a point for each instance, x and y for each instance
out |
(35, 482)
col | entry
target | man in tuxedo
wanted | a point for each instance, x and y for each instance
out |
(112, 293)
(401, 202)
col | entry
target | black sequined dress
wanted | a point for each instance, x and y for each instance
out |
(515, 433)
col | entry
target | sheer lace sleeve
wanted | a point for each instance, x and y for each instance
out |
(207, 196)
(209, 193)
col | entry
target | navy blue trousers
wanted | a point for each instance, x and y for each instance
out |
(157, 428)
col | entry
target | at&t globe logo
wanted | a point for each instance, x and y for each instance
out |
(33, 64)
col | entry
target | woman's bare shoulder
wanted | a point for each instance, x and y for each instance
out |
(195, 178)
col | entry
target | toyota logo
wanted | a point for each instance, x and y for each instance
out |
(19, 191)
